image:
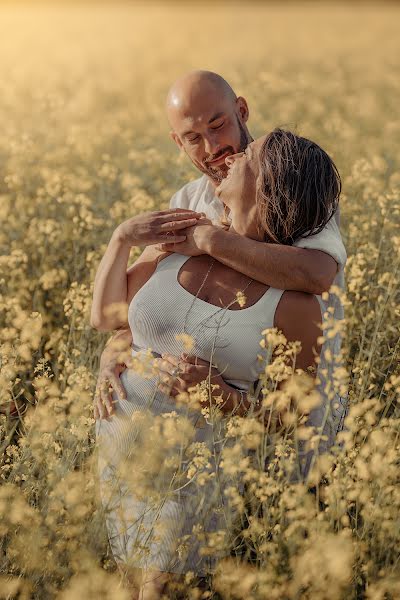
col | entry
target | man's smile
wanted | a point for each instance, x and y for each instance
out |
(218, 161)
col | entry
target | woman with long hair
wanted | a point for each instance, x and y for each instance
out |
(282, 187)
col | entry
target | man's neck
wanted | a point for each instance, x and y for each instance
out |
(215, 184)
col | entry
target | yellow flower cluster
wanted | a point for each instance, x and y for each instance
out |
(84, 146)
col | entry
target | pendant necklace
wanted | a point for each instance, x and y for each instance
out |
(199, 290)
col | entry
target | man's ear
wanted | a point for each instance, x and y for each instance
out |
(242, 108)
(174, 136)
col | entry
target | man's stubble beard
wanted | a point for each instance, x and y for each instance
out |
(217, 174)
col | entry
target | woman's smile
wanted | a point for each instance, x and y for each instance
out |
(218, 188)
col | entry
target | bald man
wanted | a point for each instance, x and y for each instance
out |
(209, 122)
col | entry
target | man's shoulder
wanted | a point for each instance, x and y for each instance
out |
(191, 193)
(328, 240)
(192, 188)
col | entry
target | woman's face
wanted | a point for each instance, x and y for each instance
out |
(238, 189)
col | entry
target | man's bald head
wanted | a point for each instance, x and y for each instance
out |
(208, 120)
(193, 86)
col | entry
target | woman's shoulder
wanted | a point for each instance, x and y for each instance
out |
(297, 313)
(143, 268)
(299, 318)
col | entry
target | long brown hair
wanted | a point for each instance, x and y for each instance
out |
(299, 187)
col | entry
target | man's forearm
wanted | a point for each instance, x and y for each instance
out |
(279, 266)
(229, 400)
(240, 403)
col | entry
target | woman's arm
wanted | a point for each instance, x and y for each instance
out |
(114, 286)
(110, 284)
(298, 316)
(110, 306)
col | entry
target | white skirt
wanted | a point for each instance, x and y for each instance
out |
(156, 517)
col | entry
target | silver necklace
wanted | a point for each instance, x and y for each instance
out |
(201, 287)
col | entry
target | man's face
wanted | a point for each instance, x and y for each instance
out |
(209, 129)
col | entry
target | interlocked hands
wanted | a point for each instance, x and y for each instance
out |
(158, 227)
(177, 374)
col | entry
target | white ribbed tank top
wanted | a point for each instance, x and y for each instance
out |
(230, 339)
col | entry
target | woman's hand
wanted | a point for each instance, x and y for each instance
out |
(177, 374)
(157, 227)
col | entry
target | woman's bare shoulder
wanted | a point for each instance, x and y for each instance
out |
(143, 268)
(151, 255)
(297, 315)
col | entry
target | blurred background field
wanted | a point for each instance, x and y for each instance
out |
(84, 145)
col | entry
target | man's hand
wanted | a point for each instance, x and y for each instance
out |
(155, 227)
(107, 382)
(195, 242)
(180, 373)
(111, 367)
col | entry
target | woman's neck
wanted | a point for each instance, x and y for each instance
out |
(252, 231)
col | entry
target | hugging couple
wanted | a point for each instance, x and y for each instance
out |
(260, 224)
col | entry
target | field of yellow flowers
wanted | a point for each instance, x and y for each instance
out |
(84, 145)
